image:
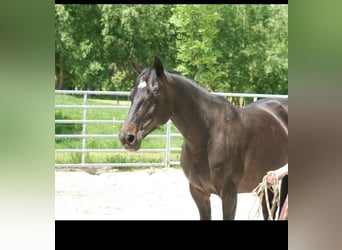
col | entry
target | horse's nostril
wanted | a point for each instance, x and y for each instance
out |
(130, 138)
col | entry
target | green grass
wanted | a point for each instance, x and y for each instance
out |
(108, 129)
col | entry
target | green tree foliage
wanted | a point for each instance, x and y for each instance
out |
(141, 31)
(196, 35)
(78, 57)
(230, 48)
(233, 48)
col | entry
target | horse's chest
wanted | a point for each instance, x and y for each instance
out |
(196, 169)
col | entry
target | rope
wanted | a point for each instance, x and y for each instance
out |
(260, 191)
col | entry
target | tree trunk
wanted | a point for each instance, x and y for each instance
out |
(61, 76)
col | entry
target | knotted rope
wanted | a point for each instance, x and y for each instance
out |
(261, 191)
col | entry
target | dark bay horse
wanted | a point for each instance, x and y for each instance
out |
(226, 150)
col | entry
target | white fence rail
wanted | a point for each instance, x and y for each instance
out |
(84, 136)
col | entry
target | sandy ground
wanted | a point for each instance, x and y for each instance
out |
(153, 194)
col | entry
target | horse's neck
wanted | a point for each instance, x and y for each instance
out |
(191, 111)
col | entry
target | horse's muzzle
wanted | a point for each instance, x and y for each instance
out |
(129, 138)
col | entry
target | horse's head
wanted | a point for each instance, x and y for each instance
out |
(151, 104)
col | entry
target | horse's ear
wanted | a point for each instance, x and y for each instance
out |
(158, 66)
(138, 68)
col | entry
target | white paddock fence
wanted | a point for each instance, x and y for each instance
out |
(84, 135)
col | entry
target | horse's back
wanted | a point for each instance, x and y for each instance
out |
(277, 105)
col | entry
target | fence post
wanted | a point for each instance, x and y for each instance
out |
(168, 144)
(84, 128)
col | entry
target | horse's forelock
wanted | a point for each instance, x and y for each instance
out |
(149, 75)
